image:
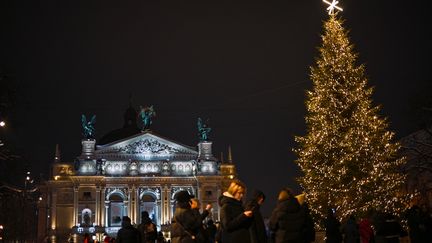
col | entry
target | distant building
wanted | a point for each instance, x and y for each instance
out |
(128, 172)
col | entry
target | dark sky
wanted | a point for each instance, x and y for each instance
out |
(245, 66)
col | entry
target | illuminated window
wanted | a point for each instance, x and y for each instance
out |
(117, 210)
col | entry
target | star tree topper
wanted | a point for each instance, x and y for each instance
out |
(333, 6)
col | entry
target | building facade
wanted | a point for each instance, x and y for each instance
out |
(141, 172)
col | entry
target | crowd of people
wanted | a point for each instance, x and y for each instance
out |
(290, 222)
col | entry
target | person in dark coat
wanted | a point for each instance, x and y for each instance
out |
(288, 219)
(147, 229)
(309, 232)
(186, 224)
(332, 228)
(235, 220)
(351, 231)
(257, 230)
(195, 206)
(127, 233)
(211, 230)
(389, 230)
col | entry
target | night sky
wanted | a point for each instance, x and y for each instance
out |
(244, 66)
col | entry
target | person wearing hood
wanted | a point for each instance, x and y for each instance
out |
(235, 220)
(147, 229)
(127, 233)
(186, 224)
(257, 230)
(288, 219)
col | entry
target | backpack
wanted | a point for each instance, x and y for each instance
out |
(148, 231)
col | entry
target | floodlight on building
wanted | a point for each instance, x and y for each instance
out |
(2, 123)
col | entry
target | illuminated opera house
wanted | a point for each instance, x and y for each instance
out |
(126, 172)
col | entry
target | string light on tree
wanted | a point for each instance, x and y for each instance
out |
(332, 6)
(347, 157)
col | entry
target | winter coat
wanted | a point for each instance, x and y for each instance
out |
(351, 232)
(211, 232)
(201, 236)
(366, 231)
(258, 233)
(148, 231)
(333, 233)
(419, 225)
(186, 225)
(288, 221)
(390, 229)
(128, 234)
(235, 225)
(309, 232)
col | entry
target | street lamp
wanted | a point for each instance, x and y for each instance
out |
(1, 233)
(2, 124)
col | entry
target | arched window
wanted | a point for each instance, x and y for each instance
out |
(148, 203)
(116, 210)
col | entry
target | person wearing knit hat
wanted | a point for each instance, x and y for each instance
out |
(183, 197)
(186, 224)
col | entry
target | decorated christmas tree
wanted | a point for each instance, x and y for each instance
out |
(347, 156)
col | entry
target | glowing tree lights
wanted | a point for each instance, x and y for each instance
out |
(347, 156)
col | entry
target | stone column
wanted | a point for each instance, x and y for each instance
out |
(75, 206)
(106, 213)
(168, 204)
(132, 204)
(102, 208)
(163, 217)
(137, 206)
(128, 203)
(97, 206)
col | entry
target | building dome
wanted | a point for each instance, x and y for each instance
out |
(129, 128)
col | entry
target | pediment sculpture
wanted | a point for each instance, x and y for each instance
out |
(147, 146)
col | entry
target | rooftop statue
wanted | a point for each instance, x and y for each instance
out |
(146, 115)
(203, 130)
(88, 126)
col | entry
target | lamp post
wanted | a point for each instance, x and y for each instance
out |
(2, 124)
(1, 233)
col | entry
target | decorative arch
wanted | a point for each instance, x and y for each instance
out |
(117, 191)
(86, 217)
(148, 192)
